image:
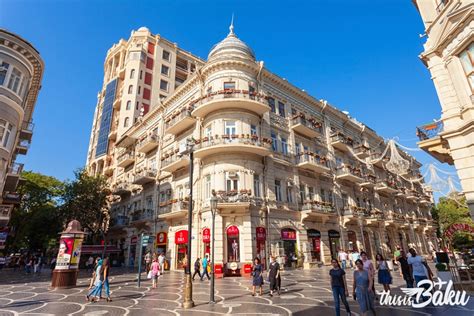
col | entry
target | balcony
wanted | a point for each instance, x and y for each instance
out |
(230, 99)
(236, 199)
(301, 125)
(317, 210)
(145, 176)
(26, 132)
(126, 159)
(173, 162)
(246, 144)
(375, 158)
(349, 173)
(362, 151)
(341, 142)
(148, 143)
(313, 162)
(369, 181)
(13, 176)
(433, 143)
(389, 187)
(5, 212)
(119, 221)
(173, 209)
(180, 121)
(142, 215)
(23, 146)
(11, 197)
(122, 188)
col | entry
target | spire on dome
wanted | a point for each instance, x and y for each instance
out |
(231, 27)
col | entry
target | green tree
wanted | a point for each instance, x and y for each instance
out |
(85, 199)
(36, 221)
(450, 210)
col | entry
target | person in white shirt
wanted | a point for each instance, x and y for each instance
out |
(343, 258)
(161, 262)
(419, 268)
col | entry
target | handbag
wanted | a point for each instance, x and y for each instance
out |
(149, 275)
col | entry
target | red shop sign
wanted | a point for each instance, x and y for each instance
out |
(233, 231)
(133, 240)
(161, 238)
(181, 237)
(288, 234)
(261, 234)
(206, 235)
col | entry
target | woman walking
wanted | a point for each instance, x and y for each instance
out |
(155, 272)
(274, 276)
(257, 274)
(362, 288)
(105, 270)
(384, 276)
(339, 287)
(95, 281)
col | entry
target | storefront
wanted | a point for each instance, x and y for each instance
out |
(352, 237)
(206, 241)
(161, 242)
(334, 242)
(288, 237)
(261, 237)
(314, 239)
(233, 246)
(181, 242)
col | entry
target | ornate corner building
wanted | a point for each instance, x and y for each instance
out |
(294, 176)
(21, 71)
(449, 56)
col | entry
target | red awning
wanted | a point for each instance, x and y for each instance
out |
(98, 249)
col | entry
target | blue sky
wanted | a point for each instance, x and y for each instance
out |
(361, 56)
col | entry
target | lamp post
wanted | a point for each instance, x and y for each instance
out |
(188, 290)
(213, 212)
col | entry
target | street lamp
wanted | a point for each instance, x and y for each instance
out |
(213, 212)
(188, 289)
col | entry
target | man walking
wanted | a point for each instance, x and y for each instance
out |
(161, 262)
(405, 268)
(205, 262)
(197, 268)
(419, 268)
(343, 258)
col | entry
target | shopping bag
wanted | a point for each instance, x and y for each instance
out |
(149, 275)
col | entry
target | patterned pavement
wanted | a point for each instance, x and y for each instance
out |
(304, 292)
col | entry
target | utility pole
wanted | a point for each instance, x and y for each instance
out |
(188, 289)
(140, 261)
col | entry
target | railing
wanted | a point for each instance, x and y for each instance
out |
(146, 173)
(430, 130)
(15, 168)
(24, 143)
(120, 220)
(244, 139)
(127, 155)
(12, 197)
(321, 207)
(140, 215)
(184, 113)
(349, 170)
(149, 138)
(172, 158)
(237, 196)
(312, 158)
(361, 149)
(388, 184)
(343, 139)
(309, 123)
(28, 126)
(230, 93)
(124, 186)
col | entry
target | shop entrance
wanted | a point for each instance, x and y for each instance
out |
(351, 235)
(206, 242)
(181, 241)
(334, 242)
(161, 243)
(288, 236)
(314, 238)
(261, 237)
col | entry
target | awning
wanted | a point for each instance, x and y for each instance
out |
(98, 249)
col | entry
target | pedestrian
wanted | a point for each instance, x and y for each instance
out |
(355, 256)
(205, 264)
(155, 272)
(368, 266)
(96, 282)
(90, 263)
(362, 289)
(197, 268)
(147, 262)
(29, 264)
(257, 276)
(339, 287)
(161, 262)
(384, 276)
(420, 269)
(36, 263)
(349, 258)
(185, 262)
(405, 268)
(343, 258)
(105, 271)
(274, 276)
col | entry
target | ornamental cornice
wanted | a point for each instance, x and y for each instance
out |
(458, 41)
(227, 64)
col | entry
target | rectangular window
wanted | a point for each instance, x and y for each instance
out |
(139, 90)
(149, 63)
(151, 48)
(289, 195)
(166, 55)
(253, 130)
(148, 78)
(164, 85)
(298, 148)
(271, 103)
(345, 200)
(208, 132)
(207, 190)
(232, 182)
(274, 142)
(323, 195)
(3, 72)
(146, 94)
(467, 61)
(152, 164)
(284, 146)
(281, 109)
(230, 85)
(311, 193)
(165, 70)
(230, 128)
(278, 190)
(14, 81)
(256, 185)
(302, 193)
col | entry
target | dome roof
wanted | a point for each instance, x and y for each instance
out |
(143, 28)
(231, 46)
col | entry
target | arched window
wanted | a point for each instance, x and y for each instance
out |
(130, 89)
(125, 122)
(129, 105)
(132, 73)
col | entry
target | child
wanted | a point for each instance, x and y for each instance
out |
(155, 272)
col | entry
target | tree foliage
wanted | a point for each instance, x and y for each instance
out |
(85, 199)
(36, 221)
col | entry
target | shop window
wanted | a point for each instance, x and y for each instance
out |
(233, 247)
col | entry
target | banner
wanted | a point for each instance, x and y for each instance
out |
(76, 254)
(458, 227)
(66, 245)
